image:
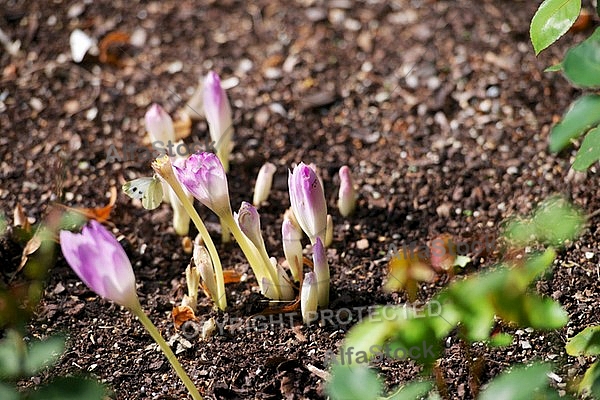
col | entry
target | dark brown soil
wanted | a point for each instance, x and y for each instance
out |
(440, 108)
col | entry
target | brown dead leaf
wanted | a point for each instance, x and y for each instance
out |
(182, 125)
(111, 47)
(31, 247)
(100, 214)
(406, 270)
(231, 276)
(183, 314)
(20, 219)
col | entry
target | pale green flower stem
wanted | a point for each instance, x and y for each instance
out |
(153, 331)
(225, 234)
(221, 299)
(259, 266)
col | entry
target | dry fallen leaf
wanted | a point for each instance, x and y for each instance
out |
(182, 125)
(182, 314)
(100, 214)
(20, 219)
(231, 276)
(111, 47)
(406, 271)
(31, 247)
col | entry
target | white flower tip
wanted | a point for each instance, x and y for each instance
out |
(264, 181)
(309, 298)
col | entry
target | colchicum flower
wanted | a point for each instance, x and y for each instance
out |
(161, 130)
(101, 263)
(292, 248)
(321, 272)
(203, 175)
(309, 298)
(218, 114)
(347, 194)
(248, 220)
(206, 270)
(308, 201)
(159, 125)
(264, 181)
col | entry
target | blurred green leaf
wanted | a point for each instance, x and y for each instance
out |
(3, 224)
(585, 343)
(589, 152)
(552, 20)
(69, 388)
(582, 62)
(590, 384)
(554, 68)
(582, 115)
(521, 383)
(355, 382)
(501, 340)
(551, 211)
(12, 352)
(411, 391)
(43, 353)
(519, 231)
(8, 392)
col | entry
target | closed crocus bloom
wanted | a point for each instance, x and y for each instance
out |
(101, 263)
(202, 174)
(309, 298)
(321, 272)
(347, 194)
(264, 181)
(159, 125)
(218, 114)
(248, 220)
(292, 247)
(308, 201)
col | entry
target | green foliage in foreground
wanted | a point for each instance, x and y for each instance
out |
(581, 66)
(19, 360)
(470, 308)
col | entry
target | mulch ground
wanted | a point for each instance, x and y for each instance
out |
(440, 108)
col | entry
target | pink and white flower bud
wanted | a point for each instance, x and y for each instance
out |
(292, 248)
(218, 114)
(248, 220)
(347, 194)
(159, 126)
(101, 263)
(308, 201)
(309, 299)
(264, 181)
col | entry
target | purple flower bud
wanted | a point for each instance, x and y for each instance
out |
(218, 114)
(101, 263)
(292, 247)
(321, 272)
(249, 222)
(309, 298)
(264, 181)
(308, 201)
(202, 174)
(347, 194)
(159, 125)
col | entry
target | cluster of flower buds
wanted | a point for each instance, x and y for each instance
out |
(309, 208)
